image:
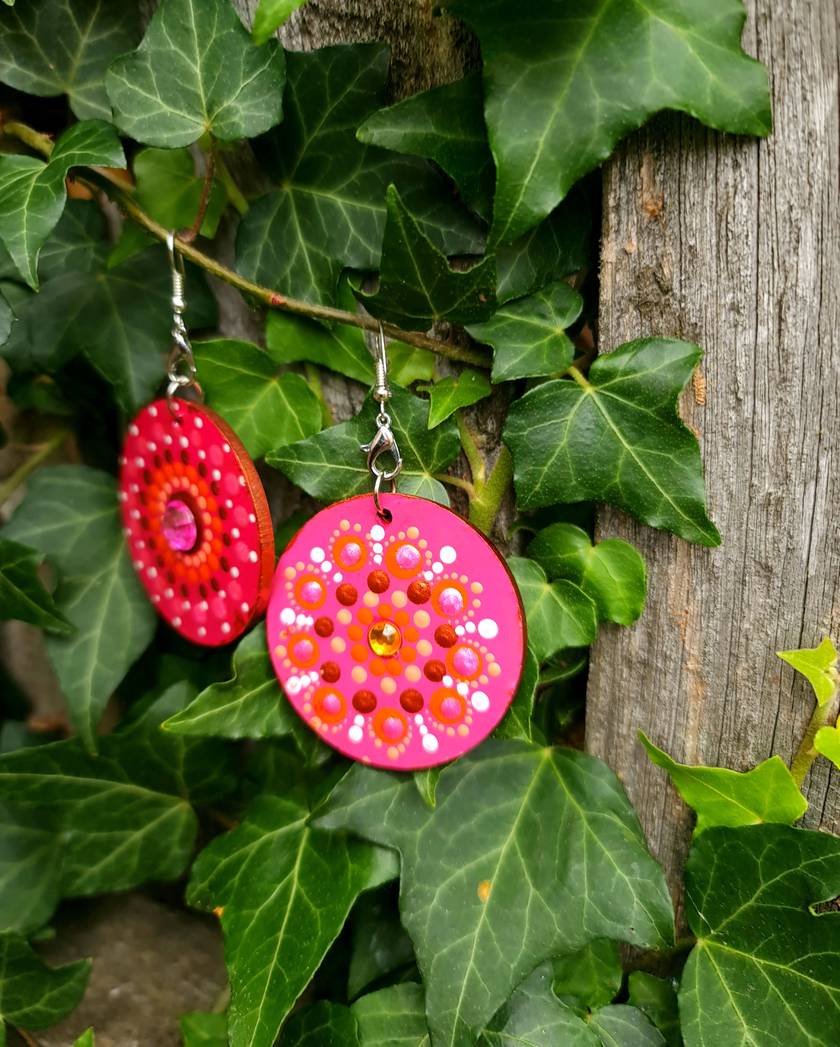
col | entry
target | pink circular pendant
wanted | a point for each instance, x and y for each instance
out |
(196, 521)
(400, 643)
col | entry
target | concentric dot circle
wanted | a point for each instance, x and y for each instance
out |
(401, 643)
(196, 521)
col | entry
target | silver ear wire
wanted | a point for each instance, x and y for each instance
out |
(384, 442)
(181, 369)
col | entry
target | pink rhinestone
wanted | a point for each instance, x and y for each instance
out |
(332, 704)
(451, 602)
(351, 553)
(179, 527)
(311, 592)
(465, 661)
(450, 708)
(407, 557)
(303, 650)
(392, 728)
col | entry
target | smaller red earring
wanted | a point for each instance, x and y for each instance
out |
(194, 512)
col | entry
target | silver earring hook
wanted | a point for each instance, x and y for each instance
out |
(384, 442)
(181, 369)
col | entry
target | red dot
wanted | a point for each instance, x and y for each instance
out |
(445, 635)
(434, 670)
(346, 594)
(364, 701)
(411, 700)
(330, 672)
(323, 626)
(378, 581)
(419, 592)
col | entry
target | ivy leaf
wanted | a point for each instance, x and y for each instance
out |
(379, 946)
(612, 572)
(392, 1017)
(586, 78)
(827, 742)
(615, 436)
(32, 995)
(33, 193)
(407, 364)
(53, 47)
(529, 335)
(271, 14)
(446, 125)
(330, 210)
(475, 870)
(592, 975)
(168, 189)
(29, 871)
(819, 667)
(86, 1039)
(559, 614)
(517, 723)
(290, 339)
(250, 705)
(452, 393)
(331, 466)
(765, 969)
(204, 1029)
(169, 92)
(285, 891)
(621, 1026)
(719, 796)
(70, 514)
(22, 595)
(323, 1024)
(123, 817)
(657, 998)
(266, 409)
(534, 1016)
(417, 286)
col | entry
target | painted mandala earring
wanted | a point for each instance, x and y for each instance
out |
(194, 511)
(394, 626)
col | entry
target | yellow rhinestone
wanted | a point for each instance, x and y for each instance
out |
(384, 638)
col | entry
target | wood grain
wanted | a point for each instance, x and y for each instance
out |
(734, 244)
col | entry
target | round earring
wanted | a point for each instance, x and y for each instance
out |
(394, 626)
(194, 511)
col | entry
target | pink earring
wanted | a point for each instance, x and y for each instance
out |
(195, 514)
(394, 626)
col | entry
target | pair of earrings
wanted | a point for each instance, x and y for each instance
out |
(393, 625)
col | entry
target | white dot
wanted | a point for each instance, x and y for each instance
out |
(183, 441)
(428, 575)
(138, 565)
(377, 547)
(202, 454)
(430, 743)
(326, 566)
(488, 629)
(470, 627)
(437, 566)
(139, 462)
(337, 576)
(447, 554)
(152, 572)
(226, 627)
(234, 572)
(314, 677)
(229, 503)
(359, 720)
(153, 412)
(317, 554)
(293, 685)
(447, 681)
(301, 619)
(226, 448)
(167, 439)
(186, 605)
(135, 488)
(151, 445)
(204, 606)
(241, 478)
(216, 475)
(155, 598)
(135, 514)
(418, 719)
(202, 631)
(123, 496)
(377, 533)
(121, 460)
(480, 702)
(197, 422)
(176, 621)
(287, 616)
(244, 608)
(252, 556)
(355, 734)
(133, 429)
(463, 688)
(459, 629)
(169, 593)
(377, 558)
(424, 729)
(234, 531)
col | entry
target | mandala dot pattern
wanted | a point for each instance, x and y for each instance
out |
(401, 643)
(196, 521)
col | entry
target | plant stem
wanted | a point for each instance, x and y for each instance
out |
(487, 491)
(204, 199)
(116, 189)
(806, 753)
(234, 193)
(11, 484)
(471, 451)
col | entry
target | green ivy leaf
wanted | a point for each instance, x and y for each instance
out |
(559, 614)
(827, 742)
(819, 667)
(70, 514)
(379, 945)
(476, 868)
(53, 47)
(249, 705)
(270, 15)
(323, 1024)
(765, 969)
(29, 871)
(657, 998)
(615, 436)
(516, 722)
(446, 125)
(719, 796)
(407, 364)
(22, 594)
(587, 77)
(452, 393)
(33, 193)
(612, 572)
(534, 1016)
(417, 286)
(330, 466)
(290, 339)
(529, 335)
(330, 210)
(285, 891)
(621, 1026)
(32, 995)
(204, 1029)
(592, 976)
(266, 409)
(121, 818)
(87, 1039)
(169, 92)
(168, 189)
(392, 1017)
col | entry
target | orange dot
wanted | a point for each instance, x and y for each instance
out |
(377, 666)
(385, 610)
(408, 654)
(355, 632)
(411, 634)
(358, 652)
(393, 666)
(401, 617)
(365, 615)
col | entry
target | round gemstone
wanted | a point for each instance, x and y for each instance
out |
(465, 661)
(364, 701)
(179, 526)
(392, 728)
(384, 638)
(450, 709)
(411, 700)
(378, 581)
(346, 594)
(311, 592)
(351, 553)
(408, 557)
(451, 601)
(445, 635)
(419, 592)
(331, 704)
(303, 650)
